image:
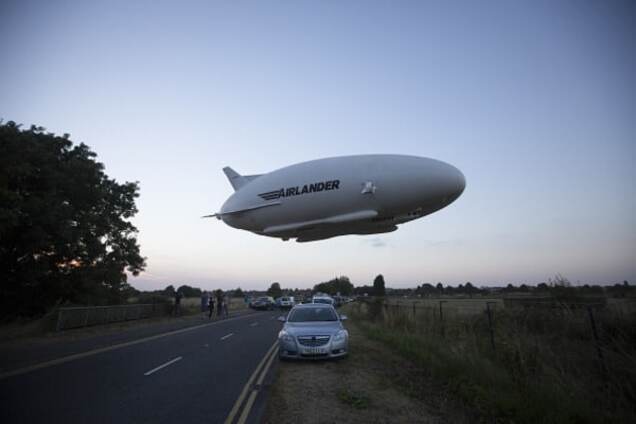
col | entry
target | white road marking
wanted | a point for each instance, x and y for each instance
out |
(254, 324)
(227, 336)
(177, 359)
(81, 355)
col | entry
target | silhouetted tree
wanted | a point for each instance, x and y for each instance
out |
(65, 230)
(239, 293)
(378, 286)
(426, 289)
(169, 291)
(362, 290)
(274, 290)
(187, 291)
(542, 287)
(340, 285)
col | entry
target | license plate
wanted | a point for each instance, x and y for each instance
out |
(314, 350)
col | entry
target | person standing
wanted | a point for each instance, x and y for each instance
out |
(219, 302)
(205, 301)
(210, 307)
(177, 303)
(225, 306)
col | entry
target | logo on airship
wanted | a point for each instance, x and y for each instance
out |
(297, 190)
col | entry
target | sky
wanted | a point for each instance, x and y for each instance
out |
(534, 101)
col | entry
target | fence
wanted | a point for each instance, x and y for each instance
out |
(84, 316)
(582, 347)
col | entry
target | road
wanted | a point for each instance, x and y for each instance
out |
(192, 375)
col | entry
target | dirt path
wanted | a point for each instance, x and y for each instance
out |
(370, 386)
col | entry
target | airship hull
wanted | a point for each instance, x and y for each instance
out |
(324, 198)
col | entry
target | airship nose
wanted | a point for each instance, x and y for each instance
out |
(456, 182)
(442, 183)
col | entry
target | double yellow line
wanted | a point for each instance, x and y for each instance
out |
(262, 369)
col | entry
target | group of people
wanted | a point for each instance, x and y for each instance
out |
(214, 301)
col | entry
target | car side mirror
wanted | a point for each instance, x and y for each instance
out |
(282, 318)
(343, 317)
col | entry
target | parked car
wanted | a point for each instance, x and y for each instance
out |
(285, 302)
(323, 299)
(313, 331)
(263, 303)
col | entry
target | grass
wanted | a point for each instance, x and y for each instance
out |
(367, 387)
(544, 368)
(37, 327)
(356, 400)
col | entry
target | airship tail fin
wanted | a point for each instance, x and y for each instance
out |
(236, 179)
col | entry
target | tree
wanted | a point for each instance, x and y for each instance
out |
(378, 286)
(238, 293)
(426, 289)
(188, 291)
(470, 289)
(169, 291)
(362, 290)
(274, 290)
(65, 231)
(340, 285)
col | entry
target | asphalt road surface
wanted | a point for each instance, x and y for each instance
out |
(200, 374)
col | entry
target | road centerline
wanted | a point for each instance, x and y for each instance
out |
(152, 371)
(248, 385)
(80, 355)
(227, 336)
(250, 401)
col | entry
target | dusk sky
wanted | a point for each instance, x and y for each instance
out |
(534, 101)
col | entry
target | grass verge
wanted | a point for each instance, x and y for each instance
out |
(542, 370)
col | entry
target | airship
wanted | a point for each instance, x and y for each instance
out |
(325, 198)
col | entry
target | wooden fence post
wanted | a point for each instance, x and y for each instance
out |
(492, 332)
(599, 352)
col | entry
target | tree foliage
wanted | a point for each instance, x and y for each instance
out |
(189, 291)
(340, 285)
(378, 286)
(274, 290)
(65, 233)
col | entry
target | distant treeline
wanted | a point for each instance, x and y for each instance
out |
(552, 288)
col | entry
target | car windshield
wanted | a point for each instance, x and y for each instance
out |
(312, 314)
(323, 300)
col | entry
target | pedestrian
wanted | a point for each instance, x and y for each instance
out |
(205, 301)
(177, 303)
(219, 302)
(210, 307)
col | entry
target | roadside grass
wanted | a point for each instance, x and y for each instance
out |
(44, 327)
(367, 387)
(544, 368)
(357, 400)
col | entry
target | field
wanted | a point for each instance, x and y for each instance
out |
(536, 363)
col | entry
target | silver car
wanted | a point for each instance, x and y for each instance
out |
(313, 331)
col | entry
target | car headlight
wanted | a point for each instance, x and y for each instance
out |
(285, 336)
(340, 336)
